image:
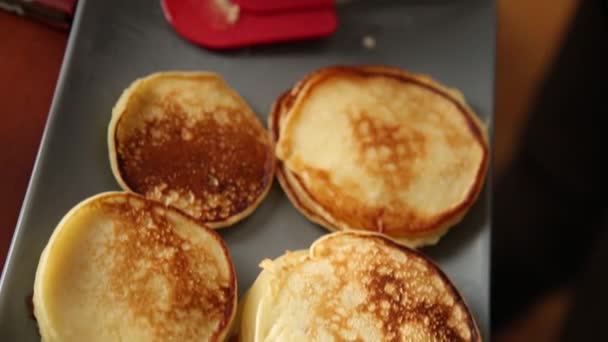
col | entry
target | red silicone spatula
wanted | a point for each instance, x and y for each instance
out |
(219, 24)
(281, 5)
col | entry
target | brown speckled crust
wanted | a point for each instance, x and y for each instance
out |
(412, 145)
(213, 168)
(403, 291)
(396, 163)
(147, 252)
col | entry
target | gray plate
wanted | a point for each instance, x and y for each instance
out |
(114, 42)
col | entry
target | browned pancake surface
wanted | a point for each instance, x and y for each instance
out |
(213, 167)
(403, 289)
(199, 294)
(393, 168)
(120, 267)
(355, 286)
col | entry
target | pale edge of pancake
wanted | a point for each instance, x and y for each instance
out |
(121, 107)
(47, 333)
(249, 307)
(300, 198)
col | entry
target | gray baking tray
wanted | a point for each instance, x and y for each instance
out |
(115, 41)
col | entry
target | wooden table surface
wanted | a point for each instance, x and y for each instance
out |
(31, 55)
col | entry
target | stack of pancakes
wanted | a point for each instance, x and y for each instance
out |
(354, 286)
(386, 158)
(379, 149)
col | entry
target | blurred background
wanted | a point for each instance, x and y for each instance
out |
(551, 57)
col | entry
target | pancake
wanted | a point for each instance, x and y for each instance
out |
(379, 149)
(354, 286)
(120, 267)
(188, 140)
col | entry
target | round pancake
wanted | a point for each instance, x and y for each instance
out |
(354, 286)
(188, 140)
(120, 267)
(379, 149)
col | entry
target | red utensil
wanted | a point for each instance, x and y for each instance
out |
(218, 24)
(285, 5)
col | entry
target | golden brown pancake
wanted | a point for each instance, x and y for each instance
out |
(188, 140)
(379, 149)
(120, 267)
(354, 286)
